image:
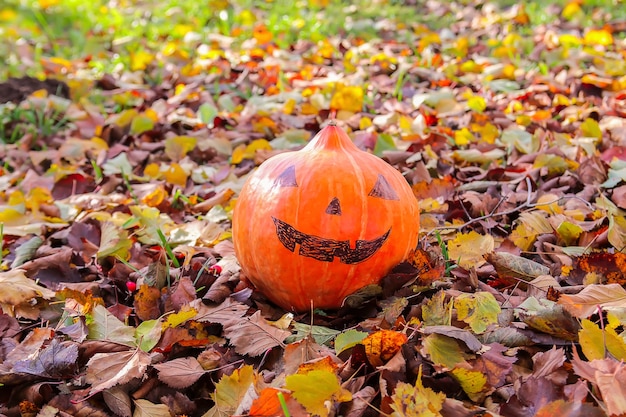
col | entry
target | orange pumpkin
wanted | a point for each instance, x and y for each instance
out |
(314, 226)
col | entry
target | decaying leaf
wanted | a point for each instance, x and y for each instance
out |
(105, 370)
(230, 390)
(610, 297)
(479, 310)
(181, 372)
(416, 400)
(18, 289)
(253, 335)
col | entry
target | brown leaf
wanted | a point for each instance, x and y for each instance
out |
(105, 370)
(118, 400)
(587, 302)
(223, 313)
(513, 266)
(180, 373)
(57, 360)
(609, 376)
(147, 302)
(253, 335)
(183, 293)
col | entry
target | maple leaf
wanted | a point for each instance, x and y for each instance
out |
(105, 370)
(230, 390)
(416, 400)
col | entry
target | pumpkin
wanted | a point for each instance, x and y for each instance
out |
(313, 226)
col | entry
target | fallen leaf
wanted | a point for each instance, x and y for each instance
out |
(181, 372)
(105, 370)
(315, 388)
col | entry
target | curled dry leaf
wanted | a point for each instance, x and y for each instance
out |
(105, 370)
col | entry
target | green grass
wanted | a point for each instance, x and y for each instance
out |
(107, 38)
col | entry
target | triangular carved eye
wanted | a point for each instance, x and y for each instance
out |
(382, 189)
(287, 178)
(334, 207)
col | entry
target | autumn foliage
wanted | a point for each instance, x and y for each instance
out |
(124, 155)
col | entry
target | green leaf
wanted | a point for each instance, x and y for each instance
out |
(148, 333)
(320, 334)
(315, 388)
(207, 113)
(114, 242)
(443, 350)
(347, 339)
(141, 124)
(520, 140)
(479, 310)
(26, 251)
(103, 325)
(384, 142)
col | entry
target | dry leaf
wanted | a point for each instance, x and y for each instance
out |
(105, 370)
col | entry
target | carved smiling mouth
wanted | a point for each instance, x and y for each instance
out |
(324, 249)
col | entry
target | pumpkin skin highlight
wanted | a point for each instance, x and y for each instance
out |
(315, 225)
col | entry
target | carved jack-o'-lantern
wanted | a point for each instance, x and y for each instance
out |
(318, 224)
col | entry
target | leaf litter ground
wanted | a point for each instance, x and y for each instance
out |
(121, 293)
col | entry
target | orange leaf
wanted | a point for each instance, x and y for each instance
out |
(383, 345)
(147, 302)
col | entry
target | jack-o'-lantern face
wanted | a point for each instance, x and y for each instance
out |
(311, 227)
(326, 249)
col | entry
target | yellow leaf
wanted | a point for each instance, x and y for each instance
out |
(463, 137)
(176, 147)
(600, 37)
(139, 60)
(479, 310)
(472, 382)
(591, 129)
(523, 237)
(436, 311)
(488, 132)
(185, 314)
(152, 170)
(596, 343)
(416, 401)
(348, 98)
(230, 390)
(315, 388)
(114, 242)
(364, 123)
(569, 232)
(468, 249)
(477, 103)
(572, 10)
(155, 197)
(242, 152)
(549, 204)
(176, 175)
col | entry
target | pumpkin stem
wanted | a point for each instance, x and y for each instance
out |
(332, 137)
